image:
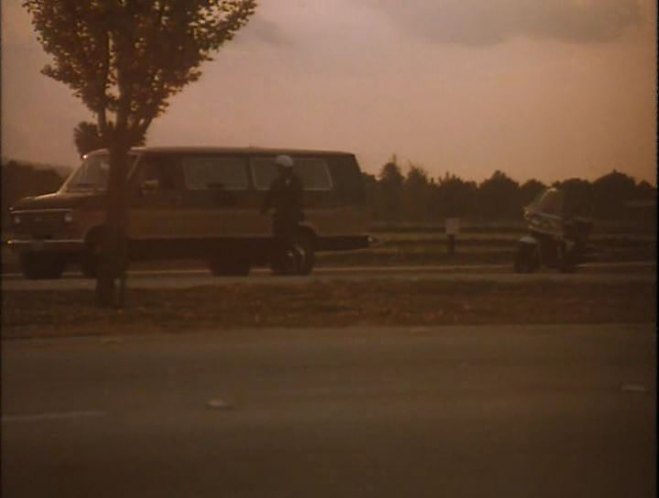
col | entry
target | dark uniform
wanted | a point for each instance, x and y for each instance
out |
(285, 198)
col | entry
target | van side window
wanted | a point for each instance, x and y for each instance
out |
(312, 172)
(164, 171)
(263, 172)
(210, 173)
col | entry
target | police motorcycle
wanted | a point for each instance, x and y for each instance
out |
(557, 235)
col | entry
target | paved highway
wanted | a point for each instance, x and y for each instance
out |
(186, 278)
(516, 411)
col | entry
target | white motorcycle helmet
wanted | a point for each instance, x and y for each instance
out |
(284, 161)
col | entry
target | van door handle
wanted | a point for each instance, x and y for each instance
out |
(225, 199)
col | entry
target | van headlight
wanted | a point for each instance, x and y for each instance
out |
(68, 217)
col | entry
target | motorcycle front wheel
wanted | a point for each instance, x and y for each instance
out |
(526, 259)
(567, 259)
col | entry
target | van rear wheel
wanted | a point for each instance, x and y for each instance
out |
(299, 259)
(229, 267)
(305, 252)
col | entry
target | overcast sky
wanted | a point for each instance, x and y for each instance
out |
(546, 89)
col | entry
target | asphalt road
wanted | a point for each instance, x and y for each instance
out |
(517, 411)
(186, 278)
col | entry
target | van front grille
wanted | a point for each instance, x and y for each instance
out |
(41, 224)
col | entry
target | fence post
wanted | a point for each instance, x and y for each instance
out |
(452, 228)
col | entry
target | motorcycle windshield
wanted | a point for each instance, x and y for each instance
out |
(545, 213)
(550, 202)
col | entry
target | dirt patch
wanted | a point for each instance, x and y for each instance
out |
(327, 304)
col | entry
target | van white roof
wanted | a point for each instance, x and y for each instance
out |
(228, 150)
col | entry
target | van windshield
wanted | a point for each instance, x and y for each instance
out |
(92, 174)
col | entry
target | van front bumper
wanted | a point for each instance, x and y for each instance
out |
(344, 243)
(47, 245)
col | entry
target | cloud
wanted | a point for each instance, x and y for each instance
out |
(486, 22)
(263, 31)
(16, 24)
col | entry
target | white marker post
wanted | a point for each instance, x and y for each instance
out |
(452, 227)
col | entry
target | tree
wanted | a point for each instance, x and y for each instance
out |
(645, 191)
(499, 197)
(529, 190)
(87, 138)
(416, 194)
(454, 197)
(578, 198)
(611, 192)
(391, 190)
(21, 180)
(370, 193)
(124, 59)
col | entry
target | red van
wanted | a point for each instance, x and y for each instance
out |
(192, 202)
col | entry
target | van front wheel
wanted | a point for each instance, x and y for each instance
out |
(89, 260)
(42, 266)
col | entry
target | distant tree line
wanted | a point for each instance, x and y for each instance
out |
(395, 195)
(21, 180)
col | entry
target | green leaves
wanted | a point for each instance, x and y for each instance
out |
(87, 138)
(125, 58)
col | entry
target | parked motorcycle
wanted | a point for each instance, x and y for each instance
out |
(558, 234)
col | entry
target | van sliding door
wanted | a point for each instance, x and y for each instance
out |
(219, 203)
(157, 200)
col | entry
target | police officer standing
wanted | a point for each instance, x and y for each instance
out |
(285, 198)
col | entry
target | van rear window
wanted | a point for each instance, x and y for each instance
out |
(312, 172)
(207, 173)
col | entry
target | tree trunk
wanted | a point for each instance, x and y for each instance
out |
(113, 255)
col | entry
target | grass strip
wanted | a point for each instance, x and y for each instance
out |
(44, 313)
